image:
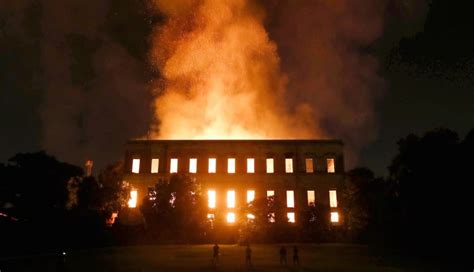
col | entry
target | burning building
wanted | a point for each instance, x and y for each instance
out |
(235, 172)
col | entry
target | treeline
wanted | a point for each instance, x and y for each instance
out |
(49, 206)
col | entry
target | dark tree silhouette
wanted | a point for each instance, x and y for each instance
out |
(177, 209)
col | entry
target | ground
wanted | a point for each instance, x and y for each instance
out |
(265, 257)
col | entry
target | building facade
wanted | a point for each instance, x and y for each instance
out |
(235, 172)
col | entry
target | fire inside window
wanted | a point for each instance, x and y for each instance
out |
(231, 199)
(311, 198)
(132, 202)
(290, 199)
(250, 196)
(211, 195)
(231, 165)
(291, 217)
(136, 166)
(334, 217)
(270, 168)
(174, 166)
(212, 165)
(193, 165)
(154, 165)
(330, 165)
(250, 165)
(309, 165)
(333, 198)
(289, 165)
(230, 217)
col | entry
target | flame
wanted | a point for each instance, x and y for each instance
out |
(221, 76)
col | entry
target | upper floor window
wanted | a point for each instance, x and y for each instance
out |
(288, 165)
(250, 196)
(193, 165)
(136, 166)
(250, 165)
(212, 165)
(270, 168)
(174, 165)
(330, 165)
(231, 165)
(333, 198)
(309, 165)
(211, 199)
(154, 165)
(231, 199)
(311, 197)
(290, 199)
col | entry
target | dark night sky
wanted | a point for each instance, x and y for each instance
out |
(426, 62)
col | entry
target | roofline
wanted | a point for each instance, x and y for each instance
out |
(315, 141)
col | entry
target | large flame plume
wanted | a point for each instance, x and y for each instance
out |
(221, 75)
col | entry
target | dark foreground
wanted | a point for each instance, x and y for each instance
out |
(265, 257)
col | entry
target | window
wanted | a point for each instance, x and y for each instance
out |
(136, 166)
(132, 202)
(210, 216)
(250, 165)
(212, 165)
(271, 217)
(291, 217)
(174, 165)
(154, 165)
(289, 165)
(330, 165)
(231, 165)
(290, 199)
(270, 166)
(231, 199)
(333, 198)
(230, 217)
(250, 196)
(211, 198)
(193, 165)
(270, 193)
(311, 198)
(334, 217)
(309, 165)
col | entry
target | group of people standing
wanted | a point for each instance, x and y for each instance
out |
(283, 256)
(248, 256)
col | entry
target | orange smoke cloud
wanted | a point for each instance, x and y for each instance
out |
(221, 75)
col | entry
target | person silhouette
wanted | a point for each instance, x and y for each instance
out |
(215, 255)
(283, 255)
(296, 257)
(248, 256)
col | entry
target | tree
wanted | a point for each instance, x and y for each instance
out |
(430, 177)
(177, 209)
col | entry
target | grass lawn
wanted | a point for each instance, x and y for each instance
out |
(321, 257)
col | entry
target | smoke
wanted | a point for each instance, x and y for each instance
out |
(330, 63)
(94, 93)
(221, 75)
